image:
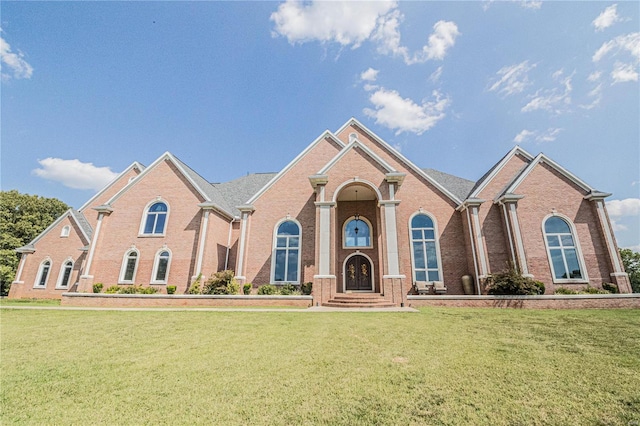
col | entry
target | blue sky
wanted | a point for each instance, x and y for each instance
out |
(239, 87)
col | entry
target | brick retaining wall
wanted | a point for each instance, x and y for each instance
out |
(183, 300)
(570, 301)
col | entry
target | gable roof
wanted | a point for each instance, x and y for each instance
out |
(351, 146)
(493, 171)
(134, 165)
(458, 186)
(238, 191)
(74, 215)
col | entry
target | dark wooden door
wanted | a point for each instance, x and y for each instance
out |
(357, 272)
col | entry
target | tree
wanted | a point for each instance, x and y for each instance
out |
(631, 262)
(22, 218)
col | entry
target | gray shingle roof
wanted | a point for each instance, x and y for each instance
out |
(240, 190)
(458, 186)
(83, 222)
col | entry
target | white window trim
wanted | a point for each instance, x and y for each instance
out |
(145, 213)
(123, 267)
(61, 273)
(39, 274)
(344, 273)
(156, 263)
(344, 228)
(273, 253)
(66, 230)
(576, 241)
(436, 235)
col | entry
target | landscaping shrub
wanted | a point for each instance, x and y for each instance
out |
(540, 286)
(194, 288)
(222, 282)
(112, 290)
(564, 290)
(511, 282)
(171, 289)
(594, 290)
(246, 288)
(306, 288)
(137, 289)
(97, 287)
(288, 290)
(267, 289)
(611, 288)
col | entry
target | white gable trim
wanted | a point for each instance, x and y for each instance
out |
(541, 158)
(325, 135)
(133, 165)
(351, 146)
(68, 213)
(401, 158)
(516, 150)
(166, 156)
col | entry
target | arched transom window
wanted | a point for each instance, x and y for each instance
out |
(65, 274)
(287, 253)
(424, 246)
(156, 219)
(563, 253)
(357, 232)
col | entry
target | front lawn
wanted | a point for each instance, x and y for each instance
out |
(439, 366)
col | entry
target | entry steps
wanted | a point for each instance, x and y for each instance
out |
(358, 300)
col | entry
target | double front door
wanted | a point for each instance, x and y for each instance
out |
(358, 274)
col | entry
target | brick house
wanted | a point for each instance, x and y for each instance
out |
(349, 213)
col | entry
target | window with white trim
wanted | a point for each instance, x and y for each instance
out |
(564, 256)
(161, 267)
(65, 274)
(129, 267)
(424, 249)
(156, 217)
(357, 233)
(43, 274)
(65, 231)
(286, 265)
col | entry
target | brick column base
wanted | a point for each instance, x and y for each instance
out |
(621, 279)
(85, 285)
(393, 289)
(324, 287)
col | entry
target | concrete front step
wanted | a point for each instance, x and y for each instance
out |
(359, 300)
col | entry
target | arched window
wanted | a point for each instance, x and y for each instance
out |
(286, 264)
(156, 217)
(357, 232)
(65, 274)
(65, 231)
(129, 267)
(43, 274)
(161, 267)
(425, 249)
(564, 256)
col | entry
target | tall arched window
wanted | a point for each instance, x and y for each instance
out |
(564, 256)
(65, 274)
(156, 217)
(357, 233)
(161, 267)
(424, 249)
(43, 274)
(286, 264)
(129, 267)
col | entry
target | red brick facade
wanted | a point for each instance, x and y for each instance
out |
(480, 227)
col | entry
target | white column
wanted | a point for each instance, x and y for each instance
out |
(518, 236)
(324, 259)
(611, 246)
(203, 240)
(391, 230)
(243, 237)
(479, 242)
(23, 259)
(94, 243)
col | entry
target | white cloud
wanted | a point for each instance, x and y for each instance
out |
(74, 173)
(435, 76)
(369, 75)
(607, 18)
(405, 115)
(514, 79)
(353, 23)
(14, 62)
(553, 100)
(523, 136)
(527, 4)
(346, 23)
(623, 72)
(621, 208)
(594, 76)
(549, 136)
(596, 94)
(628, 42)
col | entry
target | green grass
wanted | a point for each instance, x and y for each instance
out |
(29, 302)
(440, 366)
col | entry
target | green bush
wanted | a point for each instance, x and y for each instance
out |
(112, 290)
(97, 287)
(246, 288)
(564, 290)
(267, 289)
(306, 288)
(137, 289)
(611, 288)
(222, 282)
(288, 290)
(194, 288)
(171, 289)
(511, 282)
(593, 290)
